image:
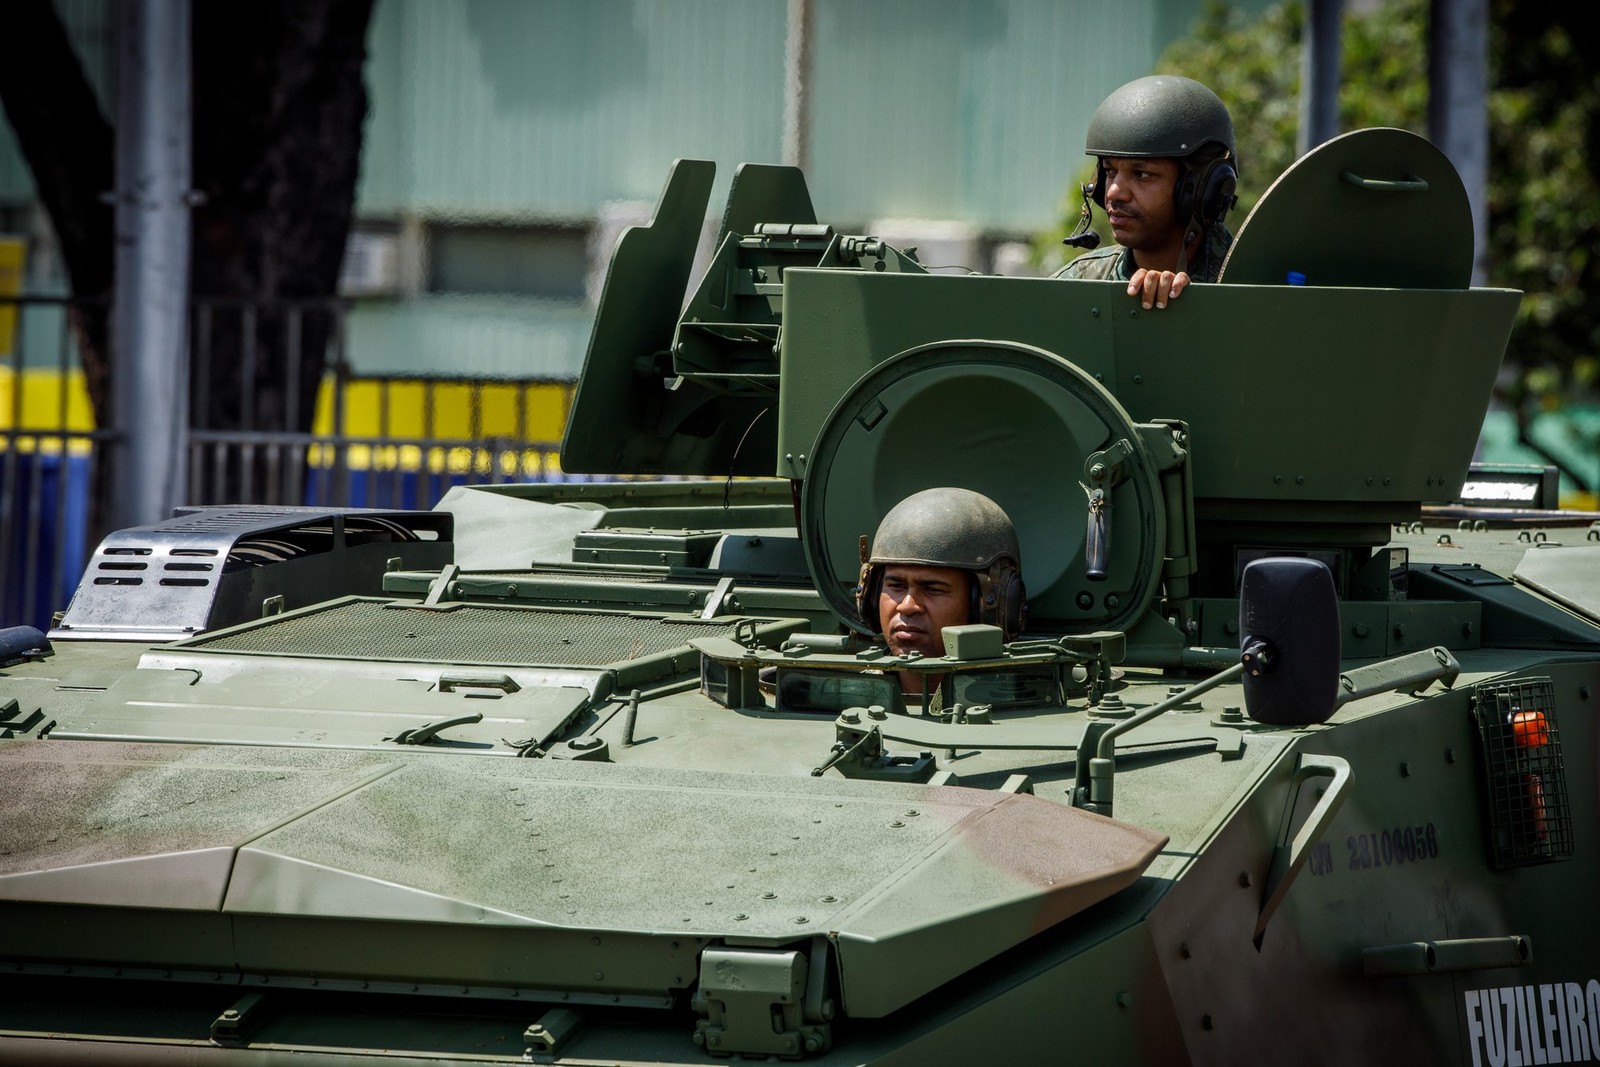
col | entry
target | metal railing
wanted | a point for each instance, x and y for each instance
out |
(348, 458)
(48, 455)
(354, 442)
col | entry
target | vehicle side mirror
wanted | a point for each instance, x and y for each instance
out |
(1289, 627)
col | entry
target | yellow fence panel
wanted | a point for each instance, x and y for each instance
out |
(45, 401)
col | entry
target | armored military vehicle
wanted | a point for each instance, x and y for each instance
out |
(1294, 761)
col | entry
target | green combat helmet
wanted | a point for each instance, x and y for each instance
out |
(1165, 116)
(951, 527)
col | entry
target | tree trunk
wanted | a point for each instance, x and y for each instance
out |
(278, 108)
(279, 104)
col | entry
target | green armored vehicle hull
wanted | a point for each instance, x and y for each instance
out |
(612, 773)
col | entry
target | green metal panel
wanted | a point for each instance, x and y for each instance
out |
(914, 885)
(1260, 428)
(1397, 184)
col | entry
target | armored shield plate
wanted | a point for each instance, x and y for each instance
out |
(1379, 208)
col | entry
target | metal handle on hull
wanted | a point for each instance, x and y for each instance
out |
(1289, 857)
(1454, 954)
(1408, 185)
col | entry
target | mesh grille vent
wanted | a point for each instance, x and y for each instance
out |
(1530, 816)
(489, 635)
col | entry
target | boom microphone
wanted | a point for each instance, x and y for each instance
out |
(1083, 237)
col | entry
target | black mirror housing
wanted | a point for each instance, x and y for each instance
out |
(1289, 629)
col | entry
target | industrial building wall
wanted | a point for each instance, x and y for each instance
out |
(509, 142)
(969, 109)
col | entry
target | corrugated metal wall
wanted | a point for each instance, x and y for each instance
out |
(965, 109)
(504, 109)
(540, 115)
(523, 113)
(972, 110)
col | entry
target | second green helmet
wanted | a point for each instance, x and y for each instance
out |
(951, 527)
(1162, 115)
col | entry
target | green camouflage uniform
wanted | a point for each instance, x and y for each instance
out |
(1117, 262)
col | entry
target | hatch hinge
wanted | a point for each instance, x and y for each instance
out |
(13, 723)
(763, 1002)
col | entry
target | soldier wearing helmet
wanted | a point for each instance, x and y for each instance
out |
(941, 557)
(1165, 173)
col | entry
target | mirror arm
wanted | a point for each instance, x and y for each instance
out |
(1102, 767)
(1410, 673)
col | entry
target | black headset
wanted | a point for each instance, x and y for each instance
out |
(1209, 192)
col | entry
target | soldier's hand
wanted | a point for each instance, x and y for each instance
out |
(1157, 286)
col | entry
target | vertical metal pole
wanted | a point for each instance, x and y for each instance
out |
(293, 326)
(1320, 55)
(150, 377)
(1458, 108)
(10, 490)
(519, 474)
(340, 493)
(797, 85)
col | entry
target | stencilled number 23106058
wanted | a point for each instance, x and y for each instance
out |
(1386, 848)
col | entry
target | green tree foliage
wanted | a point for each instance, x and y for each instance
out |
(1544, 201)
(1544, 127)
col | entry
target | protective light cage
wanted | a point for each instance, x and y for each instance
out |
(1530, 815)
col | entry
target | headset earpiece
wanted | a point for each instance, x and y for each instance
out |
(998, 598)
(1015, 601)
(1217, 193)
(1209, 192)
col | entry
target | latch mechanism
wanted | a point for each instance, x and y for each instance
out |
(763, 1002)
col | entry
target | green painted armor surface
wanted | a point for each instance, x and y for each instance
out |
(604, 772)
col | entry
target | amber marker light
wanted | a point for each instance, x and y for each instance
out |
(1529, 729)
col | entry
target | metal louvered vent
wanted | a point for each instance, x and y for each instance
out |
(208, 568)
(1530, 815)
(502, 636)
(231, 518)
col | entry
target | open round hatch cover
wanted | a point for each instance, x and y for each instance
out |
(1379, 208)
(1014, 423)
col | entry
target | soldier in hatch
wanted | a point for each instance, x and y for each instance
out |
(1165, 173)
(941, 557)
